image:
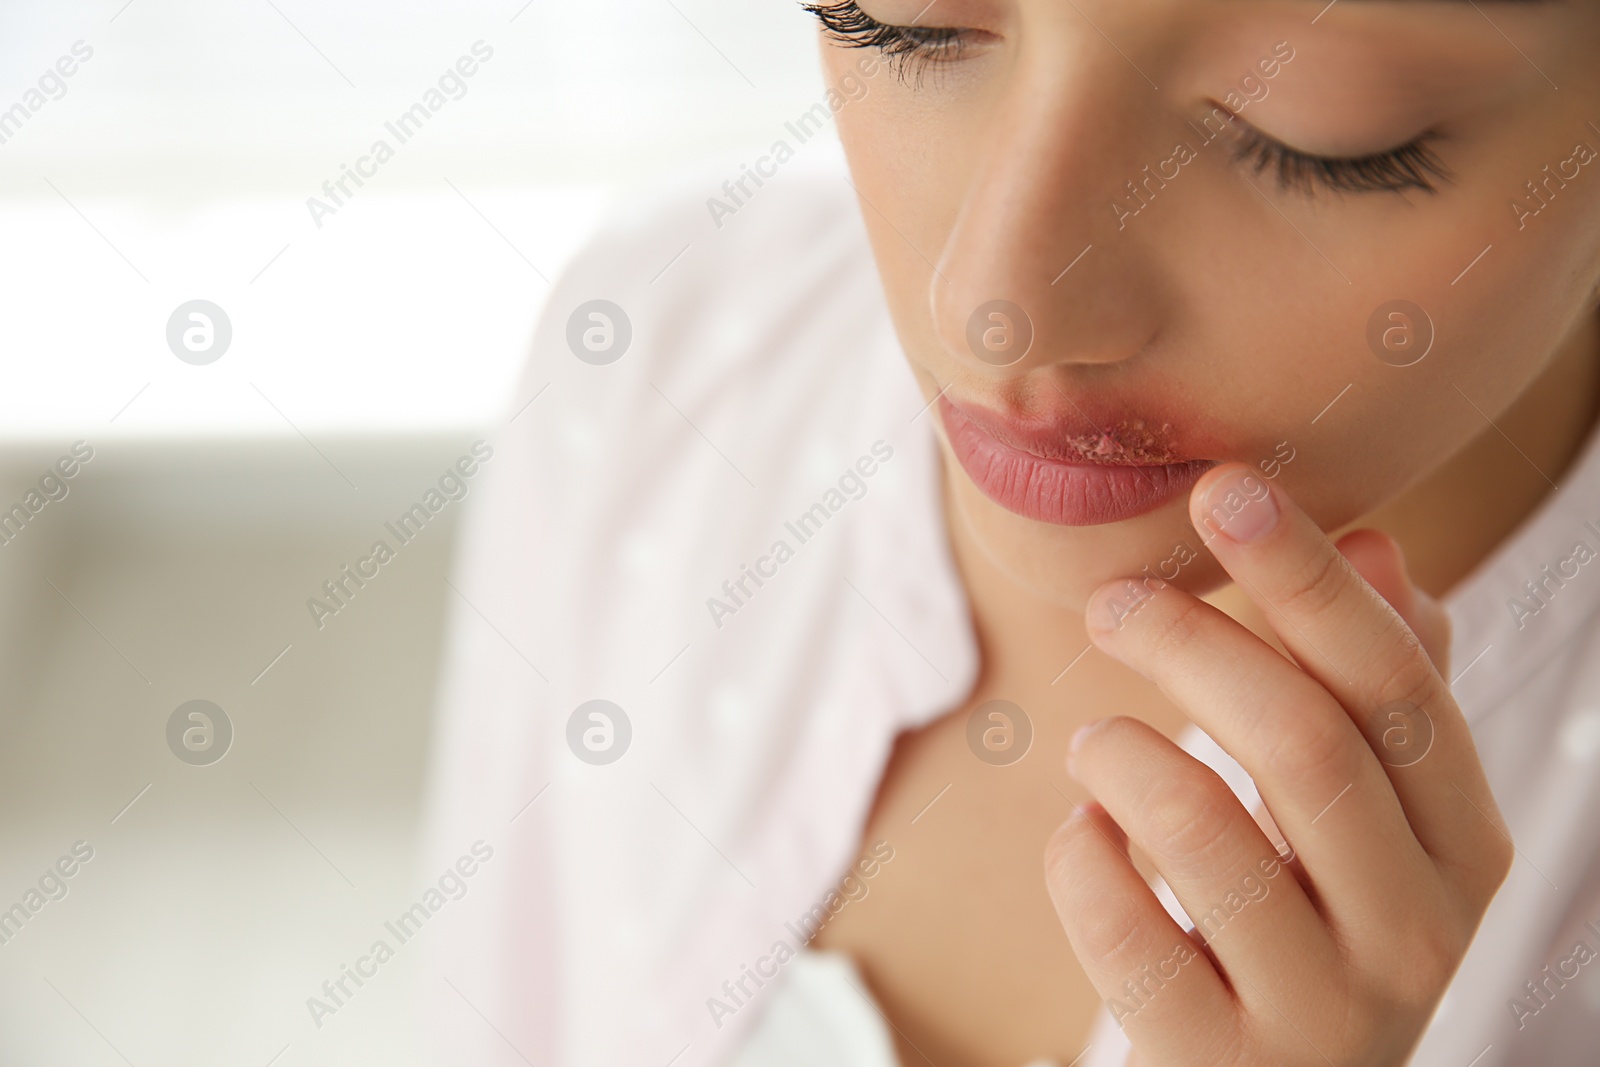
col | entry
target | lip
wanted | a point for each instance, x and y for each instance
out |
(1042, 473)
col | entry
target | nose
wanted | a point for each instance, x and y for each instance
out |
(1035, 270)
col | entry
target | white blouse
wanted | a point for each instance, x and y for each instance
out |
(722, 517)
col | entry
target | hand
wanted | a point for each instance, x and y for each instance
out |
(1335, 952)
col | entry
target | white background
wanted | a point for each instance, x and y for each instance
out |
(371, 353)
(194, 136)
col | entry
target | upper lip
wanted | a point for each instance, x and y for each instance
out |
(1070, 432)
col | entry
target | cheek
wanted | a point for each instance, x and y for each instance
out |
(1265, 313)
(1415, 318)
(893, 193)
(910, 159)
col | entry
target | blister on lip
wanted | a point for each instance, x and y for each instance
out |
(1071, 434)
(1130, 442)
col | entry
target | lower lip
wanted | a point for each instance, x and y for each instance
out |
(1066, 494)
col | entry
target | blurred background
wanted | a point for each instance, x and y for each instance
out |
(367, 353)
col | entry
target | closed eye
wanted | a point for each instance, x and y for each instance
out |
(908, 48)
(1413, 165)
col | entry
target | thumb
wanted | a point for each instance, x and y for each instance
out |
(1377, 558)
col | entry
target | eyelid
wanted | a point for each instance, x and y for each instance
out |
(923, 13)
(914, 47)
(848, 22)
(1405, 166)
(1248, 130)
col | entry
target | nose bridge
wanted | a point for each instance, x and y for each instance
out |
(1035, 270)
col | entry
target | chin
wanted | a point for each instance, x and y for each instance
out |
(1065, 564)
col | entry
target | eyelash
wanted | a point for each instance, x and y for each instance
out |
(1413, 165)
(907, 48)
(913, 48)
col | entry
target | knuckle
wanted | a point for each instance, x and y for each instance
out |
(1314, 751)
(1314, 584)
(1503, 856)
(1409, 676)
(1074, 867)
(1260, 709)
(1357, 1038)
(1348, 1036)
(1432, 954)
(1176, 627)
(1110, 934)
(1406, 976)
(1066, 856)
(1187, 818)
(1488, 867)
(1434, 963)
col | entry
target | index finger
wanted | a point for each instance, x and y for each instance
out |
(1347, 637)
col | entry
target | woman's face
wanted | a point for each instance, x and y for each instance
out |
(1123, 239)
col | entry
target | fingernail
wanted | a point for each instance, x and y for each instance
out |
(1240, 505)
(1072, 748)
(1111, 605)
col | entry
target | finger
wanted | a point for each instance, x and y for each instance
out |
(1155, 981)
(1247, 909)
(1352, 642)
(1378, 559)
(1314, 770)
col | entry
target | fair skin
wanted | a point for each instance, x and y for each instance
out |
(1233, 306)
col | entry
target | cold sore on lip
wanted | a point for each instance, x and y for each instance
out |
(1108, 474)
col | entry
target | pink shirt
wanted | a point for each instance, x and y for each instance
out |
(624, 546)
